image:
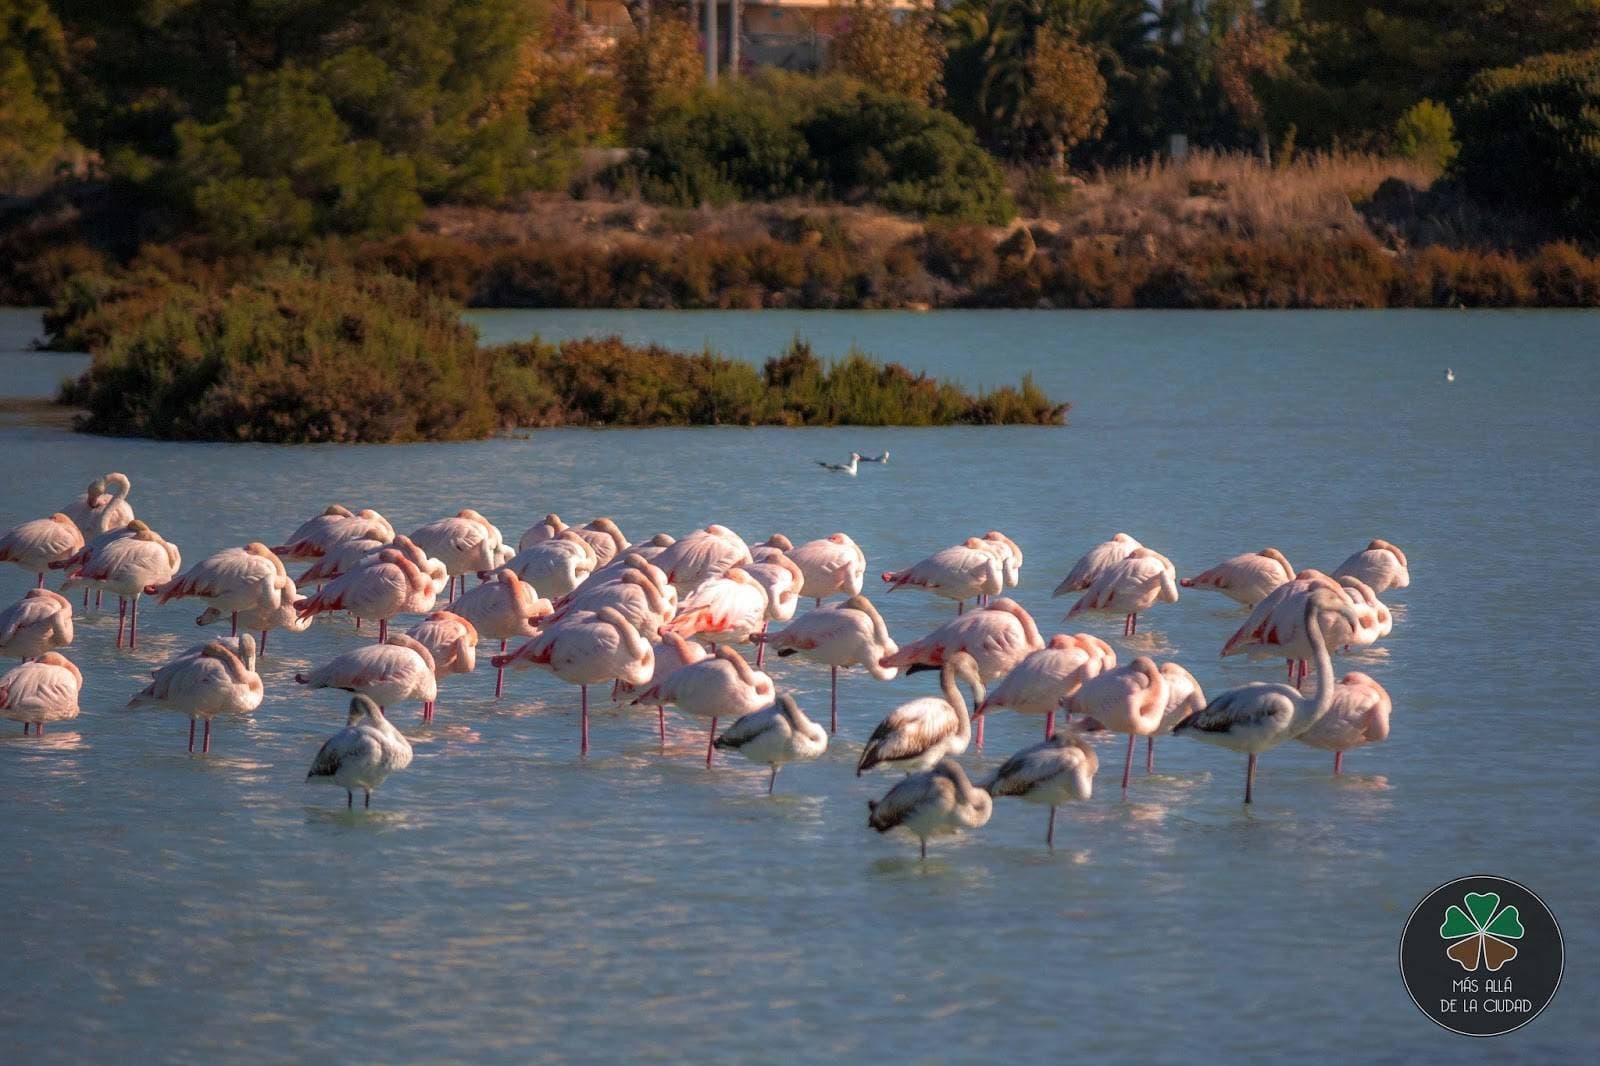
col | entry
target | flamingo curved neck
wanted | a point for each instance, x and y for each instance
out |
(1318, 706)
(953, 696)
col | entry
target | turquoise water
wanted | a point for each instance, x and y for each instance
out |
(505, 901)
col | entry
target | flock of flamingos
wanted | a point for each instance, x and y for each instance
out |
(659, 621)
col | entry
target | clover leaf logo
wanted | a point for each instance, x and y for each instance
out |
(1482, 931)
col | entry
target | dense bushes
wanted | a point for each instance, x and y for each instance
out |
(1530, 138)
(293, 354)
(834, 140)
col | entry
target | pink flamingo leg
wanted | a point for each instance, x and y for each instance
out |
(1150, 754)
(38, 729)
(40, 584)
(1050, 834)
(1338, 762)
(26, 726)
(500, 674)
(1127, 766)
(97, 594)
(1049, 726)
(133, 623)
(191, 736)
(263, 649)
(205, 743)
(961, 605)
(383, 630)
(761, 646)
(833, 701)
(583, 746)
(1290, 676)
(661, 724)
(86, 599)
(122, 617)
(1250, 778)
(979, 737)
(772, 782)
(711, 742)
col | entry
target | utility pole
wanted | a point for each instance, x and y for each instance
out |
(733, 37)
(711, 42)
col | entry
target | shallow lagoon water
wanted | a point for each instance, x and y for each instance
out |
(506, 901)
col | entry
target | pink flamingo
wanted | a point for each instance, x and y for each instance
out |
(1096, 561)
(556, 566)
(466, 543)
(37, 544)
(1376, 621)
(730, 609)
(540, 532)
(1258, 717)
(1129, 699)
(605, 538)
(1275, 627)
(379, 590)
(503, 607)
(1245, 579)
(588, 650)
(1008, 552)
(1184, 697)
(397, 669)
(702, 555)
(720, 685)
(640, 591)
(1357, 715)
(317, 536)
(263, 620)
(100, 511)
(916, 735)
(37, 623)
(839, 636)
(670, 652)
(1382, 566)
(959, 573)
(128, 565)
(1062, 768)
(206, 681)
(233, 580)
(451, 640)
(834, 565)
(41, 690)
(1136, 584)
(1045, 679)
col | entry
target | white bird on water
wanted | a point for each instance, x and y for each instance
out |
(1449, 375)
(882, 458)
(843, 468)
(779, 734)
(936, 802)
(362, 754)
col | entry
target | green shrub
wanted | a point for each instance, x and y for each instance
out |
(1530, 138)
(1426, 132)
(725, 146)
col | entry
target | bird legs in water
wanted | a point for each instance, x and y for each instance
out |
(583, 746)
(1338, 762)
(1127, 766)
(711, 743)
(1130, 624)
(1250, 777)
(205, 743)
(500, 674)
(761, 646)
(350, 799)
(833, 700)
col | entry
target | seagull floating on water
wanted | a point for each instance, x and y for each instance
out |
(883, 458)
(1449, 375)
(843, 468)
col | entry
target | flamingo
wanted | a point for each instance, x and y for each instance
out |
(502, 607)
(340, 559)
(540, 532)
(250, 578)
(916, 735)
(958, 573)
(1245, 579)
(586, 650)
(777, 544)
(450, 639)
(702, 555)
(722, 684)
(843, 468)
(1045, 679)
(1129, 699)
(1096, 561)
(840, 636)
(937, 802)
(1184, 697)
(35, 624)
(724, 610)
(37, 544)
(556, 566)
(640, 592)
(263, 620)
(100, 511)
(93, 545)
(466, 543)
(1008, 552)
(834, 565)
(128, 564)
(998, 636)
(332, 527)
(363, 754)
(1382, 566)
(1357, 715)
(397, 669)
(782, 733)
(1274, 627)
(782, 581)
(1258, 717)
(670, 652)
(1136, 584)
(1376, 621)
(41, 690)
(1061, 768)
(384, 588)
(605, 538)
(206, 681)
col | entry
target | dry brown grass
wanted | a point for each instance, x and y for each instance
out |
(1232, 195)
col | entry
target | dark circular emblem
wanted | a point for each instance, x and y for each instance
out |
(1481, 955)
